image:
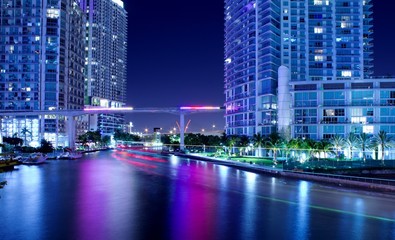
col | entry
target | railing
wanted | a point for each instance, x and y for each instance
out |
(350, 178)
(221, 153)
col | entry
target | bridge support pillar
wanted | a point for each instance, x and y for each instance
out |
(182, 128)
(71, 129)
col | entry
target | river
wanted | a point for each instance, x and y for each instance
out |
(123, 195)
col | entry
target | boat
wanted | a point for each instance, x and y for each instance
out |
(70, 155)
(35, 159)
(8, 164)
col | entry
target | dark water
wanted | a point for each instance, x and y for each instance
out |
(120, 195)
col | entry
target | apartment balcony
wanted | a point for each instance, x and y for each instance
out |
(242, 124)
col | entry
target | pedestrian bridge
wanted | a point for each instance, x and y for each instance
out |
(71, 114)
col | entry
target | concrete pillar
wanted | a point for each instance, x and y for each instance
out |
(182, 128)
(71, 125)
(284, 101)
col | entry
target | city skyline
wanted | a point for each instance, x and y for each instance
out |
(175, 28)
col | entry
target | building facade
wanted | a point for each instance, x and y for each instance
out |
(41, 65)
(252, 59)
(326, 45)
(105, 83)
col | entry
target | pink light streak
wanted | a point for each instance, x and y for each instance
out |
(200, 108)
(108, 109)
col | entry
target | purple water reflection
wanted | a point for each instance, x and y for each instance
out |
(116, 195)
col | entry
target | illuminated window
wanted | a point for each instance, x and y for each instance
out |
(319, 58)
(345, 18)
(346, 74)
(318, 2)
(368, 129)
(346, 25)
(318, 30)
(52, 13)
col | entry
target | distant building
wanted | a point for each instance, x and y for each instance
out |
(105, 84)
(326, 53)
(42, 55)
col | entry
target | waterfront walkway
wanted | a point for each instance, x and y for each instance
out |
(340, 180)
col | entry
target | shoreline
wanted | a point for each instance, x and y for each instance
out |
(328, 179)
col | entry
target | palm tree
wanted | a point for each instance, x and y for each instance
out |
(308, 146)
(384, 141)
(243, 143)
(24, 132)
(258, 142)
(294, 144)
(351, 142)
(364, 141)
(337, 143)
(274, 147)
(231, 142)
(322, 146)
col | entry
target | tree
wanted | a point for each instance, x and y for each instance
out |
(294, 144)
(24, 132)
(46, 146)
(383, 141)
(337, 143)
(105, 141)
(258, 142)
(243, 143)
(214, 140)
(309, 146)
(15, 141)
(351, 142)
(231, 142)
(165, 139)
(324, 146)
(120, 135)
(364, 142)
(274, 146)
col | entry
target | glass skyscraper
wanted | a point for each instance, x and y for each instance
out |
(252, 58)
(105, 84)
(41, 64)
(327, 47)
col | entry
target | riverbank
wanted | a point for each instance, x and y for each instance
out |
(375, 184)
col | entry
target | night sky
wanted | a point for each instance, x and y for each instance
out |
(175, 57)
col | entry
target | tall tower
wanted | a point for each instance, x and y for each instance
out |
(41, 65)
(105, 84)
(252, 59)
(325, 44)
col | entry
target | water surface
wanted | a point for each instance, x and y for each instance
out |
(123, 195)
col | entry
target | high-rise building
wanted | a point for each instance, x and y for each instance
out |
(252, 58)
(325, 49)
(41, 65)
(105, 84)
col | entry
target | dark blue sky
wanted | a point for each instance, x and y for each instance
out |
(175, 57)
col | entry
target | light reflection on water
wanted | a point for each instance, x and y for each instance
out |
(120, 195)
